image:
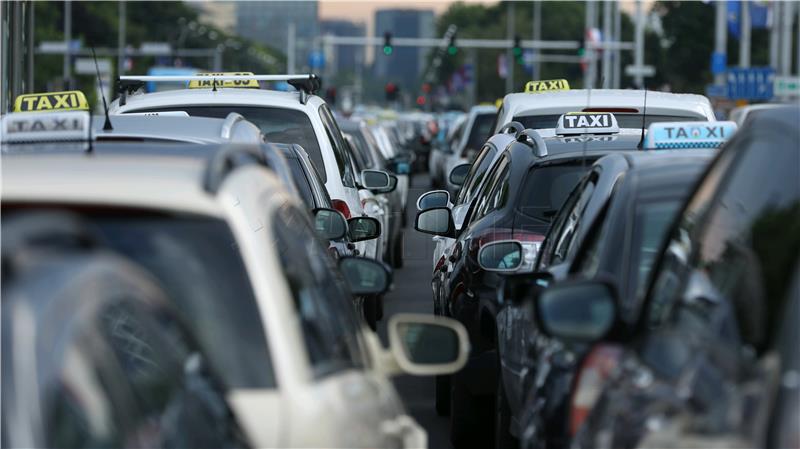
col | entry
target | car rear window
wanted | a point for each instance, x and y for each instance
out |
(624, 120)
(279, 125)
(547, 187)
(480, 131)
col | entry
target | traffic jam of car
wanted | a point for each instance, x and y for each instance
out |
(209, 266)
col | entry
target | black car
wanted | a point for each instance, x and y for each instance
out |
(712, 359)
(522, 193)
(92, 353)
(611, 226)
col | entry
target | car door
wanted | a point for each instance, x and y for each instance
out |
(355, 399)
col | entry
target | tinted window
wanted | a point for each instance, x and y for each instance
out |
(546, 187)
(565, 239)
(476, 173)
(362, 153)
(301, 181)
(197, 262)
(651, 224)
(624, 120)
(279, 125)
(489, 193)
(481, 130)
(338, 145)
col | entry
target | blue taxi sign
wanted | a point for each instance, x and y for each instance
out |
(573, 123)
(688, 135)
(30, 127)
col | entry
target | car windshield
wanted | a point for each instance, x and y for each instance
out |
(279, 125)
(547, 187)
(196, 261)
(633, 121)
(480, 131)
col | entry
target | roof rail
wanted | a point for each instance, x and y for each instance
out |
(517, 127)
(307, 84)
(230, 121)
(534, 140)
(221, 163)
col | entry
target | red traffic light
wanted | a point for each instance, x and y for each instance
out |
(426, 87)
(421, 100)
(390, 87)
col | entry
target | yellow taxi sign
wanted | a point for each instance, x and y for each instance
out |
(71, 100)
(210, 83)
(546, 86)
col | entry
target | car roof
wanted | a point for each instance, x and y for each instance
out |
(180, 129)
(787, 117)
(208, 97)
(482, 109)
(560, 102)
(171, 183)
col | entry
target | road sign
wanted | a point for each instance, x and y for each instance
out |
(719, 63)
(60, 46)
(753, 83)
(787, 86)
(155, 48)
(85, 66)
(716, 90)
(316, 60)
(645, 70)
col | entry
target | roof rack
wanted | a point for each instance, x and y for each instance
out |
(307, 84)
(230, 121)
(534, 140)
(221, 163)
(517, 127)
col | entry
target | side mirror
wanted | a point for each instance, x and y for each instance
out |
(577, 311)
(459, 174)
(363, 228)
(436, 221)
(375, 179)
(501, 256)
(434, 198)
(428, 345)
(330, 224)
(365, 276)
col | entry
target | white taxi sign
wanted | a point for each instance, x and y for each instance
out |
(533, 87)
(573, 123)
(211, 82)
(28, 127)
(71, 100)
(688, 135)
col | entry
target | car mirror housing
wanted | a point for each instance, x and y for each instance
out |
(365, 276)
(329, 224)
(375, 180)
(459, 174)
(436, 221)
(363, 228)
(581, 311)
(427, 345)
(434, 198)
(500, 256)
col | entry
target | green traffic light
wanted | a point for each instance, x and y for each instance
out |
(387, 50)
(452, 50)
(517, 51)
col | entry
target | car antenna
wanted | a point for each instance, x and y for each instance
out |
(644, 116)
(585, 139)
(107, 125)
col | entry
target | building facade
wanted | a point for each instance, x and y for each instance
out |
(268, 22)
(344, 58)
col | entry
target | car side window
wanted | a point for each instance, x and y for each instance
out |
(491, 192)
(323, 304)
(338, 145)
(566, 237)
(476, 173)
(549, 244)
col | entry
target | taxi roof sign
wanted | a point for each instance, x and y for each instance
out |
(71, 100)
(573, 123)
(212, 82)
(61, 126)
(688, 135)
(533, 87)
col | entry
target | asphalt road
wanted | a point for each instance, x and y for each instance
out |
(412, 294)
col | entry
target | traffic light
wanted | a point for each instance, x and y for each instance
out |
(516, 50)
(387, 44)
(391, 90)
(451, 46)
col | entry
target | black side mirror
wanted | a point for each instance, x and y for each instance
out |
(329, 224)
(375, 180)
(521, 288)
(434, 198)
(581, 311)
(365, 276)
(459, 174)
(436, 221)
(363, 228)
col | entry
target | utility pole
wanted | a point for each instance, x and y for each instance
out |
(607, 37)
(638, 55)
(591, 71)
(537, 36)
(29, 40)
(121, 38)
(290, 63)
(67, 39)
(774, 34)
(744, 38)
(510, 60)
(786, 38)
(617, 71)
(721, 37)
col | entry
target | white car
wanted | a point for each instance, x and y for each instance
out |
(284, 117)
(477, 129)
(239, 257)
(541, 111)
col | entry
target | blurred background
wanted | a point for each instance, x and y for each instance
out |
(430, 55)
